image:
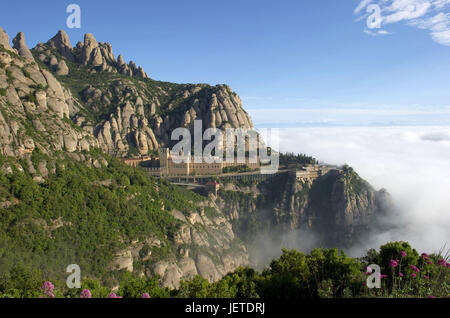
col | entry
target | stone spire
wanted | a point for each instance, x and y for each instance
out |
(4, 40)
(61, 42)
(90, 45)
(21, 46)
(120, 60)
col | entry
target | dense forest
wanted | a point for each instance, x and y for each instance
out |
(105, 209)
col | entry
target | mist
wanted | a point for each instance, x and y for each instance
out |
(268, 245)
(412, 163)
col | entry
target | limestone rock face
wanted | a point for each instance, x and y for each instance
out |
(90, 44)
(216, 257)
(62, 69)
(335, 210)
(62, 43)
(355, 204)
(21, 46)
(129, 116)
(4, 40)
(35, 108)
(123, 260)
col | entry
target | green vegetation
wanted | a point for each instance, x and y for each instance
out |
(11, 53)
(40, 220)
(296, 159)
(26, 73)
(39, 87)
(82, 77)
(353, 182)
(237, 169)
(323, 273)
(9, 76)
(30, 98)
(2, 91)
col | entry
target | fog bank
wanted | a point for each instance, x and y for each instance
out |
(412, 163)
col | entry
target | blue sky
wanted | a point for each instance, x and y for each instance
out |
(277, 55)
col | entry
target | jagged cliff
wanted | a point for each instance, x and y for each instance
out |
(336, 209)
(34, 106)
(106, 102)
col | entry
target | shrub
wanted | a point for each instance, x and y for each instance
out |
(134, 287)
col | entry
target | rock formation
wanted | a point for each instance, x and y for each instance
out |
(21, 46)
(62, 44)
(4, 40)
(33, 96)
(338, 209)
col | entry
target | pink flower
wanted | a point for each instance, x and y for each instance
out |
(401, 274)
(431, 297)
(369, 270)
(425, 255)
(393, 263)
(414, 275)
(442, 262)
(145, 295)
(414, 268)
(48, 286)
(403, 254)
(113, 295)
(425, 276)
(86, 294)
(47, 289)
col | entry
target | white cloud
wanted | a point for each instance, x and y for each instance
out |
(362, 5)
(429, 15)
(376, 33)
(400, 10)
(442, 37)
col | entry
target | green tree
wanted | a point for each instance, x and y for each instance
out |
(197, 288)
(134, 287)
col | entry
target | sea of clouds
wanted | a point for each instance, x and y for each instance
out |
(411, 162)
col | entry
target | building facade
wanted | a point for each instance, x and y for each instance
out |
(165, 166)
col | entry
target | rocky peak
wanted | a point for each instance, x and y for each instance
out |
(98, 55)
(91, 54)
(21, 46)
(35, 106)
(127, 117)
(61, 43)
(120, 60)
(4, 40)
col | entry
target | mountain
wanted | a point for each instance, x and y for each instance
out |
(116, 105)
(68, 113)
